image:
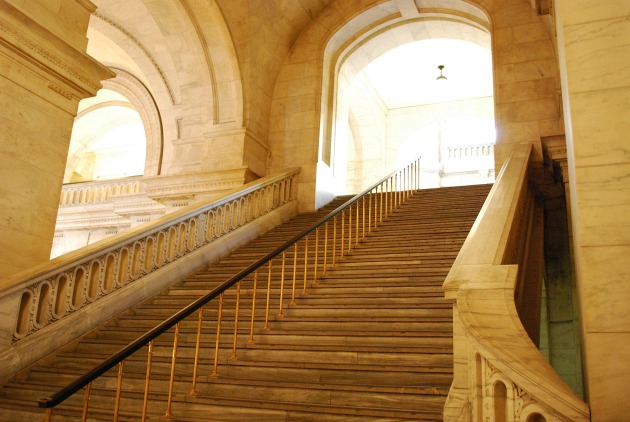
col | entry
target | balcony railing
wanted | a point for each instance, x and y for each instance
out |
(470, 151)
(97, 192)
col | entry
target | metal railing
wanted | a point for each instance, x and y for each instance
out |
(318, 248)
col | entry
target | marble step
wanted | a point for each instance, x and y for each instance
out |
(394, 376)
(306, 313)
(372, 340)
(339, 406)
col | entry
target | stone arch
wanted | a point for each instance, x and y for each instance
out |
(301, 108)
(129, 86)
(349, 66)
(111, 111)
(183, 54)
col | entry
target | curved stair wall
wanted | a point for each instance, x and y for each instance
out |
(499, 374)
(57, 302)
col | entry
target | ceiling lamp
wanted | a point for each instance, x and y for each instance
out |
(441, 77)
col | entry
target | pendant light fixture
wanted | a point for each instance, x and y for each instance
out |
(441, 77)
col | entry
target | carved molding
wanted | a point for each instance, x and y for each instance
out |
(140, 96)
(40, 55)
(189, 186)
(60, 91)
(144, 50)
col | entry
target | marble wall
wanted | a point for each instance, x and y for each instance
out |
(44, 73)
(525, 77)
(594, 42)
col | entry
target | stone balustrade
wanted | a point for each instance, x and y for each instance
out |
(95, 192)
(498, 373)
(59, 288)
(469, 151)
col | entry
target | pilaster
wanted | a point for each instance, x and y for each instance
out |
(44, 73)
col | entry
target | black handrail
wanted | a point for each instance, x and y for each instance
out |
(143, 340)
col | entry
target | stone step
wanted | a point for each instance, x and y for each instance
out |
(370, 340)
(307, 313)
(179, 301)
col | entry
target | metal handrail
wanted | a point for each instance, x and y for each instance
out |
(70, 389)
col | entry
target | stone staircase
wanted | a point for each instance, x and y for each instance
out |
(372, 340)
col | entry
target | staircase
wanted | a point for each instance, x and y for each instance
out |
(371, 340)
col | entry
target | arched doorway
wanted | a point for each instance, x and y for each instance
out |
(390, 104)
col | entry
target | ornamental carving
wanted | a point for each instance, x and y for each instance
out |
(20, 40)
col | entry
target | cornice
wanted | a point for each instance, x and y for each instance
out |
(46, 51)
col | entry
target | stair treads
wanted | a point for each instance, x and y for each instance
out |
(370, 340)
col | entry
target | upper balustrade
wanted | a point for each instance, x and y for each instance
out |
(469, 151)
(99, 191)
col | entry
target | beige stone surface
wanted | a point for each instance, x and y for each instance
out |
(59, 15)
(591, 67)
(609, 364)
(605, 290)
(41, 87)
(595, 44)
(242, 83)
(601, 138)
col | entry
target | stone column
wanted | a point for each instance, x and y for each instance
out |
(594, 49)
(44, 73)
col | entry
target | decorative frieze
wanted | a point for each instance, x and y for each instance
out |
(65, 64)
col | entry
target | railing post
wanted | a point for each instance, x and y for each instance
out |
(172, 378)
(295, 257)
(193, 390)
(356, 228)
(118, 390)
(334, 248)
(370, 212)
(363, 218)
(237, 307)
(343, 229)
(284, 260)
(305, 263)
(325, 249)
(266, 326)
(251, 326)
(406, 184)
(316, 255)
(392, 192)
(215, 369)
(396, 191)
(349, 228)
(383, 198)
(86, 402)
(147, 380)
(386, 198)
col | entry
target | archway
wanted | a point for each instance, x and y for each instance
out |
(383, 104)
(123, 101)
(108, 140)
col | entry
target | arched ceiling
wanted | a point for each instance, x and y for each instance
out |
(407, 76)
